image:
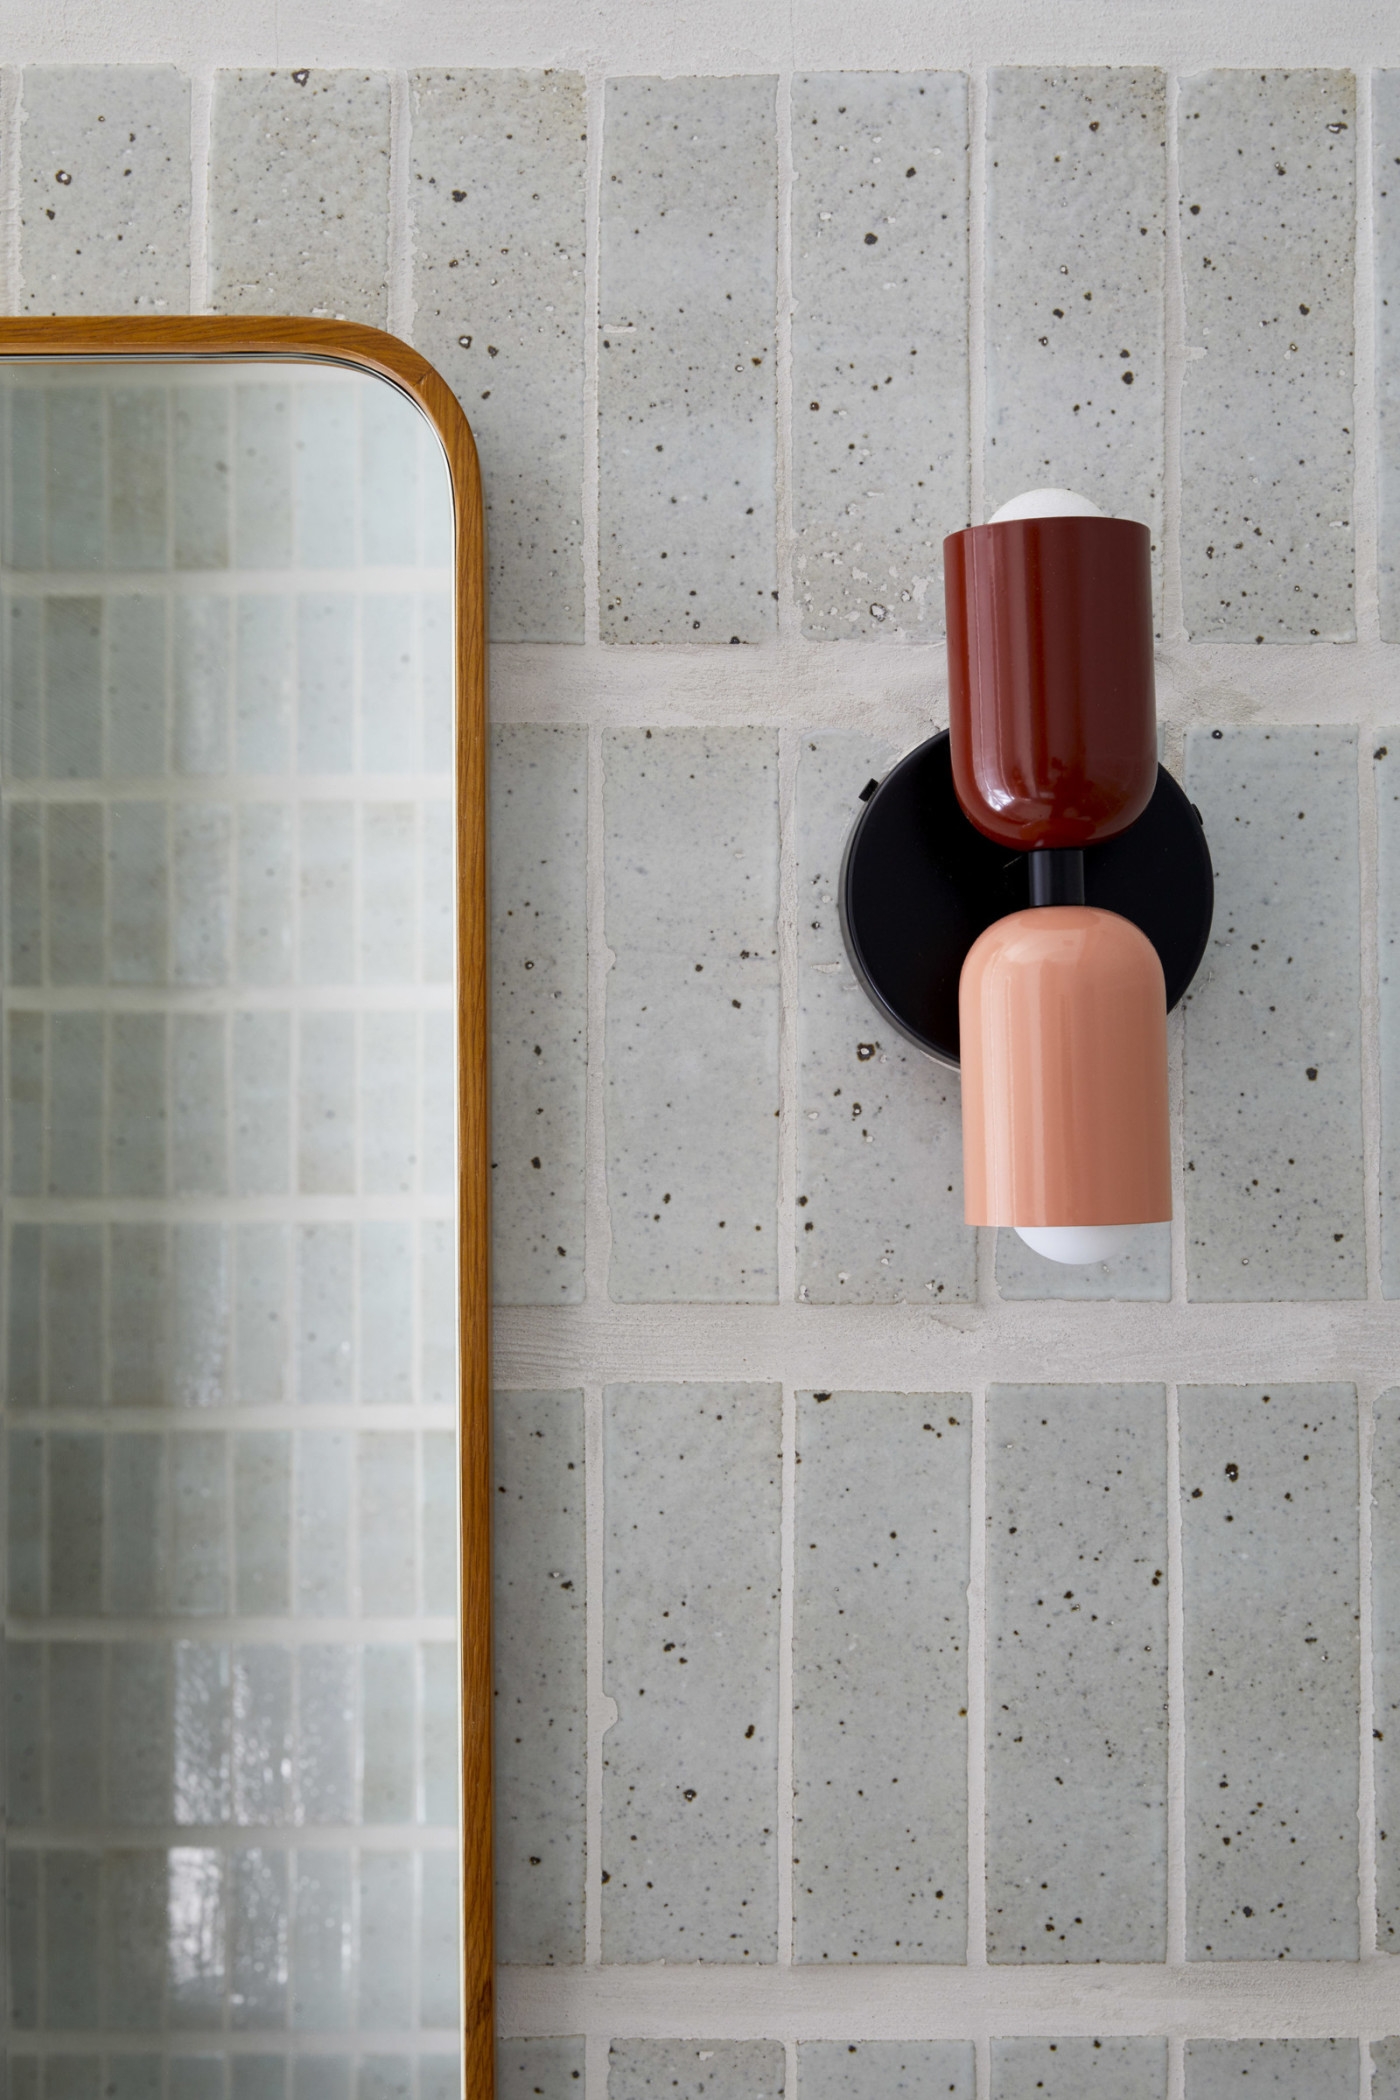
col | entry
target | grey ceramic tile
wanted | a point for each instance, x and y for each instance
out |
(199, 1537)
(440, 1734)
(539, 798)
(24, 1908)
(74, 458)
(551, 2067)
(138, 1299)
(1131, 2069)
(1387, 791)
(73, 676)
(326, 1104)
(388, 857)
(692, 1050)
(1385, 125)
(1076, 208)
(134, 1928)
(325, 1283)
(138, 1755)
(868, 1231)
(388, 1103)
(137, 1124)
(387, 1543)
(262, 481)
(202, 433)
(498, 161)
(137, 1556)
(880, 1818)
(262, 942)
(1076, 1673)
(1385, 1620)
(257, 1932)
(203, 895)
(325, 682)
(199, 1105)
(870, 2070)
(697, 2070)
(25, 1733)
(75, 1731)
(687, 387)
(386, 1939)
(320, 1940)
(75, 1523)
(135, 699)
(1385, 2061)
(1288, 2070)
(197, 1971)
(262, 1733)
(325, 473)
(384, 1293)
(200, 696)
(138, 475)
(70, 1939)
(538, 1510)
(138, 855)
(1272, 1124)
(262, 1097)
(105, 189)
(1267, 233)
(439, 1957)
(880, 437)
(1268, 1482)
(263, 681)
(262, 1489)
(76, 892)
(388, 1734)
(25, 1048)
(72, 1315)
(690, 1609)
(25, 1543)
(1143, 1273)
(299, 192)
(25, 927)
(327, 1721)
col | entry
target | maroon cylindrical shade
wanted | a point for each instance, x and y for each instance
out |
(1052, 710)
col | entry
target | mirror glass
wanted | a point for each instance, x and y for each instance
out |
(230, 1655)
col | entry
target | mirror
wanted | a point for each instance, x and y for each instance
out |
(231, 598)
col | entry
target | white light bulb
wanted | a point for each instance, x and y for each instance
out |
(1046, 503)
(1078, 1243)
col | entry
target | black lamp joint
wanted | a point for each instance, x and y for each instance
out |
(1057, 875)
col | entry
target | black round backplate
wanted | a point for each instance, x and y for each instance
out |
(919, 883)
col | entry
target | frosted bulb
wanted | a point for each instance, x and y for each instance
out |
(1046, 503)
(1078, 1243)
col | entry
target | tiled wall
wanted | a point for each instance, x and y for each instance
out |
(231, 1668)
(920, 1669)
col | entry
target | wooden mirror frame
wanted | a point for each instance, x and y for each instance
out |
(371, 350)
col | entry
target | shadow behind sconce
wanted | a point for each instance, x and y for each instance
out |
(1028, 893)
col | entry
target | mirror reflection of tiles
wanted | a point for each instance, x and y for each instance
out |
(872, 1593)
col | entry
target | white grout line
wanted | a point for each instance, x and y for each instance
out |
(595, 2066)
(1174, 364)
(400, 257)
(592, 294)
(1368, 872)
(1366, 1790)
(789, 612)
(977, 1688)
(789, 999)
(598, 1223)
(1176, 1693)
(1176, 2068)
(977, 291)
(11, 121)
(201, 130)
(1366, 441)
(787, 1614)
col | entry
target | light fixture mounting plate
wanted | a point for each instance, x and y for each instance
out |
(919, 883)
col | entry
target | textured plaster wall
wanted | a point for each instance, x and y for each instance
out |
(921, 1670)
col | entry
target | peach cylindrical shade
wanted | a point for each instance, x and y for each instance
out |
(1063, 1016)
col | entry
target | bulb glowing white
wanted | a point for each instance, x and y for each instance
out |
(1046, 503)
(1078, 1243)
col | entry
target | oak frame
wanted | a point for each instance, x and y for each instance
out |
(371, 350)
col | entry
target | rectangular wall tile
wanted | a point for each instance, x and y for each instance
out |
(1272, 1123)
(105, 175)
(498, 160)
(1143, 1273)
(697, 2070)
(1268, 210)
(690, 1605)
(1076, 246)
(1076, 1673)
(1035, 2069)
(1386, 776)
(870, 2070)
(687, 388)
(880, 1815)
(551, 2067)
(880, 376)
(1268, 1484)
(868, 1230)
(1289, 2070)
(299, 193)
(539, 1589)
(1385, 1622)
(539, 996)
(1385, 123)
(692, 1050)
(1385, 2060)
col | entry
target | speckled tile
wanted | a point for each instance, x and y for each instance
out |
(1385, 2062)
(1385, 129)
(537, 1457)
(1142, 1275)
(690, 1644)
(1076, 1673)
(104, 190)
(539, 1012)
(1385, 1635)
(1272, 1124)
(1326, 2070)
(687, 385)
(879, 1126)
(691, 852)
(697, 2070)
(871, 2070)
(299, 193)
(880, 1816)
(498, 168)
(1131, 2068)
(879, 347)
(1385, 766)
(550, 2068)
(1268, 211)
(1076, 249)
(1269, 1521)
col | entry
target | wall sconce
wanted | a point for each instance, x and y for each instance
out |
(1029, 893)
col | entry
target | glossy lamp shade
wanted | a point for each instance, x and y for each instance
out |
(1064, 1075)
(1052, 710)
